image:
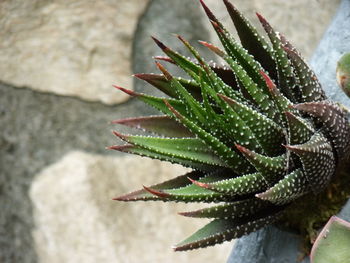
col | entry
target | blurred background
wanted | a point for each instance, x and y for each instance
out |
(58, 61)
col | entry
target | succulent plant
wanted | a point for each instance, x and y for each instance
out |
(258, 132)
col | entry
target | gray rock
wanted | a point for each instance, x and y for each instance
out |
(75, 48)
(271, 245)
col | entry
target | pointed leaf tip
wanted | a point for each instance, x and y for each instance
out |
(217, 26)
(120, 148)
(127, 91)
(203, 185)
(261, 18)
(121, 136)
(242, 149)
(213, 48)
(166, 73)
(207, 11)
(155, 192)
(159, 43)
(268, 81)
(163, 58)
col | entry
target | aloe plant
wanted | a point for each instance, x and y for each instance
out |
(333, 243)
(259, 132)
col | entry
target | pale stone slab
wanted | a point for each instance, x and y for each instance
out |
(76, 220)
(74, 48)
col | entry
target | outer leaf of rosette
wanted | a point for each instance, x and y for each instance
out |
(234, 210)
(189, 149)
(161, 125)
(143, 195)
(238, 186)
(161, 83)
(193, 193)
(134, 149)
(157, 103)
(220, 230)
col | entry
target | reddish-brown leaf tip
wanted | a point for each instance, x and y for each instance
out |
(217, 26)
(207, 11)
(163, 58)
(203, 185)
(261, 18)
(127, 91)
(241, 148)
(121, 136)
(213, 48)
(155, 192)
(121, 148)
(166, 73)
(172, 109)
(268, 81)
(159, 43)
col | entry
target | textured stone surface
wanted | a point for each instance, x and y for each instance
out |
(270, 244)
(299, 20)
(75, 48)
(76, 220)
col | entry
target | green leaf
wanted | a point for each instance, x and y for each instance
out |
(156, 102)
(193, 193)
(271, 168)
(260, 98)
(234, 49)
(251, 40)
(333, 243)
(299, 129)
(190, 149)
(133, 149)
(161, 125)
(317, 159)
(220, 230)
(238, 186)
(233, 210)
(289, 188)
(229, 156)
(269, 135)
(309, 86)
(143, 195)
(161, 83)
(284, 67)
(334, 122)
